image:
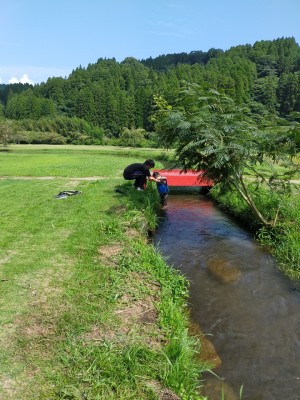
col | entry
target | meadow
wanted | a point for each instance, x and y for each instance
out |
(89, 309)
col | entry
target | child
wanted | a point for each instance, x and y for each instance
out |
(162, 187)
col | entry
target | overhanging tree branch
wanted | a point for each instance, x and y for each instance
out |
(210, 132)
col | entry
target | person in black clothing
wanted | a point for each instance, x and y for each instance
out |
(140, 172)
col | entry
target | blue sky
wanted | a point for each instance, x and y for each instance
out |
(45, 38)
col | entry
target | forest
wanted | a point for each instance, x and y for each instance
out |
(111, 102)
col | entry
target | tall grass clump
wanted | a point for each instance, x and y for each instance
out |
(177, 366)
(179, 369)
(282, 239)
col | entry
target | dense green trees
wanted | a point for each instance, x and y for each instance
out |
(56, 130)
(288, 92)
(28, 105)
(6, 132)
(113, 96)
(210, 132)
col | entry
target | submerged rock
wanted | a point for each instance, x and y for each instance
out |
(223, 270)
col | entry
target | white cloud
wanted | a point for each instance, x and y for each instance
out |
(24, 79)
(13, 80)
(12, 74)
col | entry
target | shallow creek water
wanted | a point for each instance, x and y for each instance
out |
(247, 308)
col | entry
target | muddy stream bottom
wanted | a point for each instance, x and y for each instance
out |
(243, 304)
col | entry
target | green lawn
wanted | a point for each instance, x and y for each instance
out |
(89, 310)
(71, 161)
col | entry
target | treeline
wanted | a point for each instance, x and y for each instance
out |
(164, 61)
(113, 97)
(56, 130)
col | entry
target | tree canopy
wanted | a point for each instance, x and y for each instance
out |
(210, 132)
(115, 95)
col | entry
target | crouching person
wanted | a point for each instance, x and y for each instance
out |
(140, 173)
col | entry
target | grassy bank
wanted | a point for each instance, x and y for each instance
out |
(282, 240)
(89, 310)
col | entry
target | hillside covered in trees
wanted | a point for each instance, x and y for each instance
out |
(114, 100)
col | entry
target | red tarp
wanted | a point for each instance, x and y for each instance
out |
(189, 178)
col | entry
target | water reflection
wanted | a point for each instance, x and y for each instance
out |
(238, 297)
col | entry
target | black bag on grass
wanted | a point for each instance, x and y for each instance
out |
(67, 193)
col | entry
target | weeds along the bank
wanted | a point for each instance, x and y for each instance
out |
(90, 309)
(282, 240)
(140, 347)
(179, 366)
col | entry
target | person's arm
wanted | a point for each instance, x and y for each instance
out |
(151, 178)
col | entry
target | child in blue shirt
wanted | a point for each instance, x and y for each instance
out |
(162, 187)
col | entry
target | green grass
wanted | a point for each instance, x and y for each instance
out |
(89, 310)
(283, 239)
(71, 161)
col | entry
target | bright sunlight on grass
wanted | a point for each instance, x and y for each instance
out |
(89, 309)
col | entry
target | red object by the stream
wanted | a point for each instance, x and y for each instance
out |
(176, 177)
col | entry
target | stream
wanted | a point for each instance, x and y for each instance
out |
(242, 303)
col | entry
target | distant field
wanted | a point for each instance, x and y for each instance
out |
(115, 150)
(72, 161)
